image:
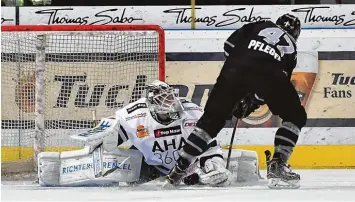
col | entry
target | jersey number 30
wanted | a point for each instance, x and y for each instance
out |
(272, 36)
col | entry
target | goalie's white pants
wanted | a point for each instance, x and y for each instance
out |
(82, 168)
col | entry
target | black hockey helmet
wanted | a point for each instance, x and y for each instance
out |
(290, 24)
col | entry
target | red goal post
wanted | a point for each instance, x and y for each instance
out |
(58, 79)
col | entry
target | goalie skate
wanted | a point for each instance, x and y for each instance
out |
(280, 175)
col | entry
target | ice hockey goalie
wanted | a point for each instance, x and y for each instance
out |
(154, 127)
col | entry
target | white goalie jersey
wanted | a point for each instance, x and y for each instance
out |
(159, 143)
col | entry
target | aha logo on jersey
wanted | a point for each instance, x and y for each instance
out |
(189, 123)
(164, 132)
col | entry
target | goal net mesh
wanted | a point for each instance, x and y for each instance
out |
(58, 83)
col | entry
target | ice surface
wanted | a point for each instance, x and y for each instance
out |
(316, 185)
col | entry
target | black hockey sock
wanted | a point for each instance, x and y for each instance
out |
(178, 172)
(196, 144)
(285, 140)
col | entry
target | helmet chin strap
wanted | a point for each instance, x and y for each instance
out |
(164, 118)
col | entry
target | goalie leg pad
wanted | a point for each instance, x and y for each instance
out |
(244, 165)
(49, 168)
(82, 168)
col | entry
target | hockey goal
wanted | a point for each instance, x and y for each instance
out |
(59, 80)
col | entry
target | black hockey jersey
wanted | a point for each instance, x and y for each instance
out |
(262, 45)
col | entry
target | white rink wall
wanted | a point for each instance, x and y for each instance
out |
(212, 40)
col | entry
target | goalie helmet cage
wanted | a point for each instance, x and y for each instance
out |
(57, 80)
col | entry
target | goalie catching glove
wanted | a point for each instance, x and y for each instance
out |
(210, 170)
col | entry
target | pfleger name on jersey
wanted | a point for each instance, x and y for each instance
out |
(260, 46)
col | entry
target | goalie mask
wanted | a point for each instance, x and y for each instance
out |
(163, 100)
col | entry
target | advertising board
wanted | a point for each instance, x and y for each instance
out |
(180, 17)
(8, 16)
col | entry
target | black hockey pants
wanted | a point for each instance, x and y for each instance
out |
(236, 80)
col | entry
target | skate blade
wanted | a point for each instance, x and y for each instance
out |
(168, 186)
(276, 183)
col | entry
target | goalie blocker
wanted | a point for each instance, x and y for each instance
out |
(101, 162)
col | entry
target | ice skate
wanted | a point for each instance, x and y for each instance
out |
(174, 178)
(280, 176)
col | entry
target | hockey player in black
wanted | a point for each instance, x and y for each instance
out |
(260, 58)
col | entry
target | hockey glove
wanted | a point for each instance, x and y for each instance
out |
(247, 106)
(214, 172)
(211, 171)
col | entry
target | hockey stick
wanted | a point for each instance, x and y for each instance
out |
(244, 107)
(267, 152)
(231, 143)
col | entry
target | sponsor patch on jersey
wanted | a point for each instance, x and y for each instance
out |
(189, 123)
(164, 132)
(140, 115)
(193, 108)
(141, 131)
(135, 107)
(184, 101)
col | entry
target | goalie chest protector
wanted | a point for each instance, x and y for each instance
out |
(158, 142)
